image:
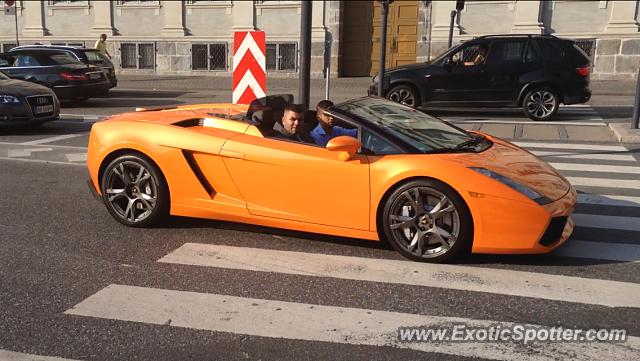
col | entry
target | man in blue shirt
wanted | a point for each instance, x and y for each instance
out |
(325, 130)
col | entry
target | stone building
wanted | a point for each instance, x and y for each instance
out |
(196, 37)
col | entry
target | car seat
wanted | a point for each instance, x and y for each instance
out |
(265, 121)
(310, 120)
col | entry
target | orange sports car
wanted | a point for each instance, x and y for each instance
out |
(430, 189)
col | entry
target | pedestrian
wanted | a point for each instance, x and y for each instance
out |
(101, 45)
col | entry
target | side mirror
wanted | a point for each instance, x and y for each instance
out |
(345, 145)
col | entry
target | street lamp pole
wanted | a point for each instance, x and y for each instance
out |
(635, 120)
(305, 54)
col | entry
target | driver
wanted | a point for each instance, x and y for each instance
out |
(291, 127)
(325, 130)
(480, 58)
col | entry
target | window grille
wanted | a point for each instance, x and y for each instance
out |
(137, 55)
(209, 56)
(282, 56)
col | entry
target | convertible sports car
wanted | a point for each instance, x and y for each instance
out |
(430, 189)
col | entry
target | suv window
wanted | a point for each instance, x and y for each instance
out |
(94, 56)
(552, 52)
(503, 52)
(531, 54)
(62, 58)
(471, 55)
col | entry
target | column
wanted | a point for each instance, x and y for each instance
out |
(243, 15)
(33, 19)
(623, 17)
(102, 18)
(173, 15)
(317, 25)
(441, 19)
(527, 19)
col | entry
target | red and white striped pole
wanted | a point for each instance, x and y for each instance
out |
(249, 70)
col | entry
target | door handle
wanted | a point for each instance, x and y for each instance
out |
(231, 154)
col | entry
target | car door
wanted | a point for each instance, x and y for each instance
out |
(509, 60)
(299, 182)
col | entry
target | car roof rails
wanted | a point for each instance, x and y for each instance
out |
(515, 36)
(45, 46)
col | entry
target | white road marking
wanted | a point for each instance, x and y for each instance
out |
(42, 161)
(76, 157)
(311, 322)
(614, 148)
(596, 168)
(6, 355)
(618, 252)
(609, 200)
(25, 152)
(608, 222)
(465, 278)
(604, 182)
(571, 155)
(48, 145)
(54, 139)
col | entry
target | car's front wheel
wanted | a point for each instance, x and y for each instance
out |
(426, 220)
(540, 104)
(404, 94)
(134, 191)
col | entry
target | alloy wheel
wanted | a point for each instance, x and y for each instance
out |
(541, 104)
(131, 191)
(402, 96)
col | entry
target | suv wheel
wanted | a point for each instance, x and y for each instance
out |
(540, 104)
(404, 94)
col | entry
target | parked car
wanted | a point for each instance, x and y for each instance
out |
(26, 103)
(69, 78)
(84, 55)
(534, 72)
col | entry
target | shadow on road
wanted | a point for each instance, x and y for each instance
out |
(121, 103)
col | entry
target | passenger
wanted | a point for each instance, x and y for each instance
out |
(480, 58)
(291, 127)
(325, 130)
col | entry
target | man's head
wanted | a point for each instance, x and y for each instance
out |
(292, 118)
(482, 49)
(103, 37)
(325, 119)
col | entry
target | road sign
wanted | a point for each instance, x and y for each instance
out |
(249, 70)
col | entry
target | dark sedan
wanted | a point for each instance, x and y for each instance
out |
(70, 79)
(25, 103)
(84, 55)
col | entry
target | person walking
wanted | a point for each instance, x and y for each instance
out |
(101, 45)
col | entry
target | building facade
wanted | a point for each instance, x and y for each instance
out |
(196, 37)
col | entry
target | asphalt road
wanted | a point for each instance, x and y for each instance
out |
(78, 285)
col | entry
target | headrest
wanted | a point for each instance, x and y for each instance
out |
(263, 118)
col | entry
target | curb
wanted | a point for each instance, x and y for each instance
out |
(624, 133)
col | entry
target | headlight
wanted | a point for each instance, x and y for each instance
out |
(533, 195)
(7, 99)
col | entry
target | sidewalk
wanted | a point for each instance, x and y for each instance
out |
(347, 88)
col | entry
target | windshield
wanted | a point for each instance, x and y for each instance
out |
(422, 131)
(94, 56)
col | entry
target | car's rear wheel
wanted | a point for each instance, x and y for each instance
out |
(540, 104)
(404, 94)
(134, 191)
(426, 220)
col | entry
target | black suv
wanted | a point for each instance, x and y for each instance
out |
(534, 72)
(84, 55)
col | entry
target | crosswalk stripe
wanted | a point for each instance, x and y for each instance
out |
(6, 355)
(11, 153)
(609, 200)
(320, 323)
(608, 222)
(466, 278)
(42, 161)
(617, 148)
(570, 155)
(604, 182)
(54, 139)
(596, 168)
(599, 250)
(76, 157)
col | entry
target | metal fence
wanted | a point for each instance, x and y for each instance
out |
(209, 56)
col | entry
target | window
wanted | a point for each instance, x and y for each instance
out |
(25, 61)
(531, 55)
(505, 52)
(137, 2)
(552, 52)
(62, 58)
(471, 55)
(138, 55)
(67, 2)
(7, 46)
(376, 145)
(282, 56)
(209, 56)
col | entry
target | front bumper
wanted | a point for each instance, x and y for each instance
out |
(21, 114)
(81, 91)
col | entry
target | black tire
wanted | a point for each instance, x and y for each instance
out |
(404, 94)
(540, 103)
(402, 230)
(144, 199)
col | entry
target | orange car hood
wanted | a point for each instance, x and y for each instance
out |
(519, 165)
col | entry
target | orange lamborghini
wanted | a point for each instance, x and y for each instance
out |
(430, 189)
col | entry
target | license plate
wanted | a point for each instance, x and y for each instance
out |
(95, 76)
(43, 109)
